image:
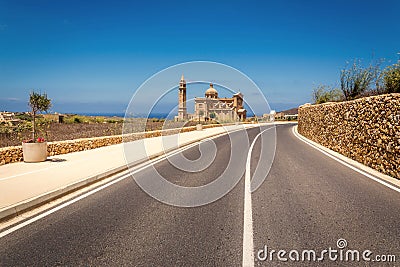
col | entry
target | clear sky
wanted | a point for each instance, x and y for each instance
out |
(90, 56)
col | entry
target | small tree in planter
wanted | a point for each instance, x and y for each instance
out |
(38, 103)
(35, 150)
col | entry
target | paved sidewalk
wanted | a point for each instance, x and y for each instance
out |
(24, 185)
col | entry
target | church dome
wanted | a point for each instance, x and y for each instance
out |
(211, 92)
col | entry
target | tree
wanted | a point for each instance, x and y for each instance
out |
(391, 79)
(324, 93)
(356, 80)
(38, 103)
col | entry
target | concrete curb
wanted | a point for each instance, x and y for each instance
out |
(378, 175)
(29, 204)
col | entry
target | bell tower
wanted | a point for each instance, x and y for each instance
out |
(182, 112)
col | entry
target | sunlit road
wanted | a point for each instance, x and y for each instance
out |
(307, 202)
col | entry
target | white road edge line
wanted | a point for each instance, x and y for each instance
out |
(248, 246)
(137, 169)
(301, 138)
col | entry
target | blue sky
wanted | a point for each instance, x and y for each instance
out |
(90, 56)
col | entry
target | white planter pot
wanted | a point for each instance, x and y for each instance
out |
(34, 152)
(199, 127)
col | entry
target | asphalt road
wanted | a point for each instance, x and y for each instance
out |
(307, 202)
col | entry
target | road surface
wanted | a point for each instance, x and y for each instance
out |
(307, 202)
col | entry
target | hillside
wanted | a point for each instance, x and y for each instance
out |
(291, 111)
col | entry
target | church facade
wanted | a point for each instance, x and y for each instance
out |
(211, 107)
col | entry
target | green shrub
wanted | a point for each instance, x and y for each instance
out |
(24, 117)
(391, 79)
(324, 93)
(356, 80)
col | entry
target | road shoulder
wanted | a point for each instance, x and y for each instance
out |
(384, 179)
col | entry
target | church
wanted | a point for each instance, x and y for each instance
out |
(211, 107)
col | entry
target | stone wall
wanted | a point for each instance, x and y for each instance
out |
(366, 130)
(14, 154)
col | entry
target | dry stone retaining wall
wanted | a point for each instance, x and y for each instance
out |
(14, 154)
(366, 130)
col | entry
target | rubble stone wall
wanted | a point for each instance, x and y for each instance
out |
(366, 130)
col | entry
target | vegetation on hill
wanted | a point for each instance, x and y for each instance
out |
(357, 81)
(389, 79)
(324, 93)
